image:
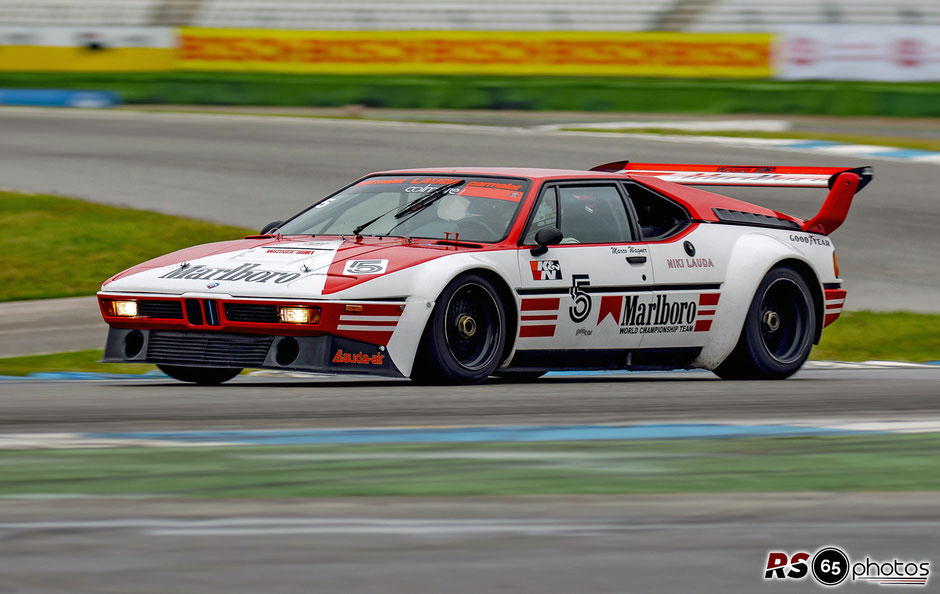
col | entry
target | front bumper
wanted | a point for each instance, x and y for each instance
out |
(325, 353)
(371, 322)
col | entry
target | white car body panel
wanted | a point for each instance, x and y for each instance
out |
(689, 291)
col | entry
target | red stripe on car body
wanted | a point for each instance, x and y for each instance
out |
(536, 331)
(708, 299)
(541, 304)
(544, 318)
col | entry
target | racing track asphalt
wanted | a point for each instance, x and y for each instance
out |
(659, 543)
(592, 544)
(250, 170)
(264, 403)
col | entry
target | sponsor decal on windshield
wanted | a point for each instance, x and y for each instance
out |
(424, 189)
(373, 181)
(440, 181)
(481, 189)
(495, 193)
(494, 185)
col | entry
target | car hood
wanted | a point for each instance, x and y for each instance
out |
(279, 267)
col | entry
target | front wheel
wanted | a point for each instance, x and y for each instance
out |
(204, 376)
(778, 330)
(466, 335)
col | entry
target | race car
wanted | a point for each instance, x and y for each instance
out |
(453, 275)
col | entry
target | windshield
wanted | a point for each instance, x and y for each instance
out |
(479, 209)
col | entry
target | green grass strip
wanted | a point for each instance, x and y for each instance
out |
(843, 463)
(505, 92)
(60, 247)
(889, 336)
(924, 144)
(86, 361)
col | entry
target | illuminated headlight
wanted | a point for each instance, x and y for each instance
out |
(299, 315)
(124, 309)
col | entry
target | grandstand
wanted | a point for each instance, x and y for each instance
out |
(491, 15)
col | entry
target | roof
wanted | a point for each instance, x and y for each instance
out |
(699, 202)
(533, 173)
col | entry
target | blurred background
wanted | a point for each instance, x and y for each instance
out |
(513, 54)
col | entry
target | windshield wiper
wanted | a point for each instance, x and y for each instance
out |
(416, 206)
(427, 200)
(358, 230)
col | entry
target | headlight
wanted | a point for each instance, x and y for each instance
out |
(122, 309)
(299, 315)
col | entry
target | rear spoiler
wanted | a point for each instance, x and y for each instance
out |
(843, 182)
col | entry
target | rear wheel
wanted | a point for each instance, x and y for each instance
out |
(204, 376)
(778, 330)
(465, 336)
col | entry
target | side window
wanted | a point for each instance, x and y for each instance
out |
(546, 215)
(593, 214)
(658, 217)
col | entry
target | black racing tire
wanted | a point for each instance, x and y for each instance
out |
(778, 330)
(204, 376)
(465, 336)
(510, 375)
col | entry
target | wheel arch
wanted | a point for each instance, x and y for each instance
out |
(424, 284)
(436, 367)
(753, 256)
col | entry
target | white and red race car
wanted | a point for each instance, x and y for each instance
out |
(457, 274)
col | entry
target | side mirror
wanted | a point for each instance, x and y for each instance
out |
(271, 227)
(544, 238)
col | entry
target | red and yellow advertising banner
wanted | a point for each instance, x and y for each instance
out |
(697, 55)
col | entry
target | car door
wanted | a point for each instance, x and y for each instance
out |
(688, 262)
(574, 295)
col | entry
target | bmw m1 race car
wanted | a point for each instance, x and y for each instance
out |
(452, 275)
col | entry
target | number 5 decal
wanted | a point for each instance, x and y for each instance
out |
(365, 266)
(582, 301)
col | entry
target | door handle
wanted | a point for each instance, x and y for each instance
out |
(636, 259)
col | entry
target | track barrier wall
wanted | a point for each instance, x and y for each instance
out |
(88, 49)
(826, 52)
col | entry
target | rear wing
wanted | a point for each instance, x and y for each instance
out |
(843, 182)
